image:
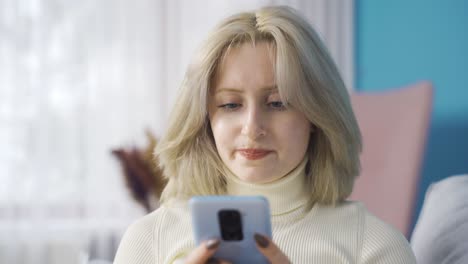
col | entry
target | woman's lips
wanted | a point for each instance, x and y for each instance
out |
(253, 154)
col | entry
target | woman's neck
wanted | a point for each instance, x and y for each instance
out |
(284, 195)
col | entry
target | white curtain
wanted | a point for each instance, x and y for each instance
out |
(78, 78)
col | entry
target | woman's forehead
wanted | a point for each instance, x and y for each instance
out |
(246, 65)
(234, 50)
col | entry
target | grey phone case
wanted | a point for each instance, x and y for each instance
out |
(254, 216)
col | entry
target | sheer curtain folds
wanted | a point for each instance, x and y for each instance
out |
(78, 78)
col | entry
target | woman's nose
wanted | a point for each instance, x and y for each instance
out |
(253, 123)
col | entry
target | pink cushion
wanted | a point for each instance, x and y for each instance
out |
(394, 125)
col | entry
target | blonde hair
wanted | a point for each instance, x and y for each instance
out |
(307, 80)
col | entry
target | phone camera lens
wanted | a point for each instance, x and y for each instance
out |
(231, 225)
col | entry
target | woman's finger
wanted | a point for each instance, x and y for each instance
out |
(203, 253)
(270, 250)
(216, 261)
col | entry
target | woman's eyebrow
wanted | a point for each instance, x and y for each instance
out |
(227, 89)
(269, 88)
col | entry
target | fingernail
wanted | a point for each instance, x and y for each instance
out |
(213, 261)
(212, 243)
(261, 240)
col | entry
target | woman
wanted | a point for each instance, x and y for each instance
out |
(263, 111)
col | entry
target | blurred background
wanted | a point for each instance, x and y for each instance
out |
(400, 42)
(81, 79)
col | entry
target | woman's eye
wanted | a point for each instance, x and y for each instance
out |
(229, 106)
(277, 105)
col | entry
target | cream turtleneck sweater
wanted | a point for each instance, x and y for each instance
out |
(347, 233)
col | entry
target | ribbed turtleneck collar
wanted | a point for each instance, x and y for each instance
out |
(284, 195)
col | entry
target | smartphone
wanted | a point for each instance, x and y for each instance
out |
(234, 220)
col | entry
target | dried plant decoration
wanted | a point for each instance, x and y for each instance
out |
(143, 177)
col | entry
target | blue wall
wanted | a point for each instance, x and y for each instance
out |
(399, 42)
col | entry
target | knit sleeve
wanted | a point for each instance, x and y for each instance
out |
(137, 245)
(384, 244)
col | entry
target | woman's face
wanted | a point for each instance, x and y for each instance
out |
(257, 138)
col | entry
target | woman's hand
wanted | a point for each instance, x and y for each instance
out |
(270, 250)
(202, 254)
